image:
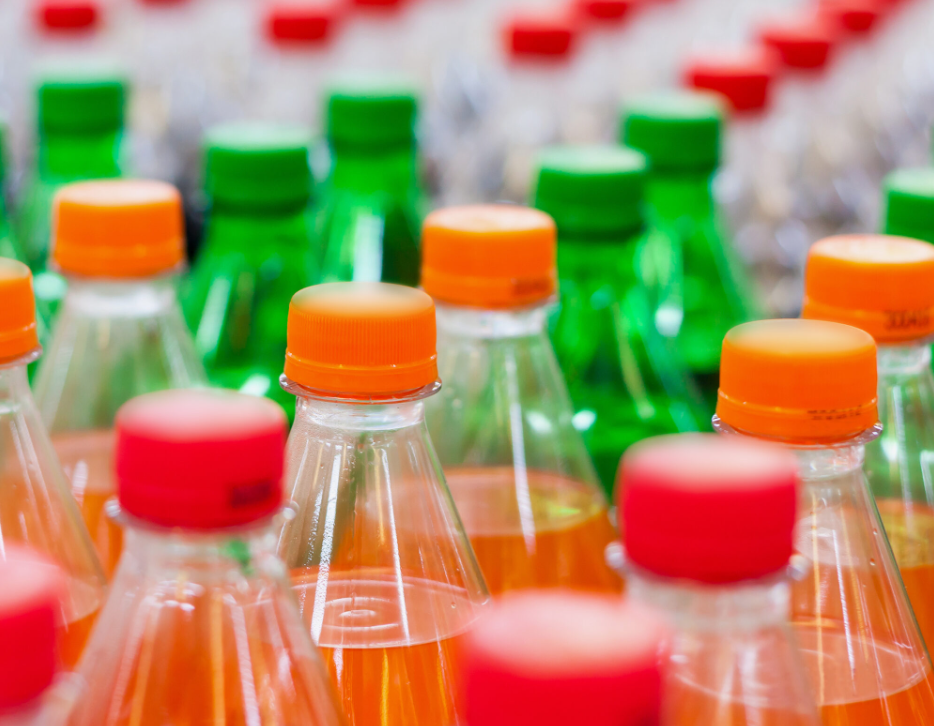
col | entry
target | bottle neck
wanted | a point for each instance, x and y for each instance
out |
(910, 359)
(480, 324)
(107, 298)
(360, 417)
(14, 382)
(835, 461)
(673, 195)
(369, 171)
(80, 156)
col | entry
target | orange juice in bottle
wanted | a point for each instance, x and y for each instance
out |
(385, 576)
(36, 505)
(200, 626)
(811, 385)
(502, 424)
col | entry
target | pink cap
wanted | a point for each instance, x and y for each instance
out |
(29, 613)
(200, 459)
(553, 658)
(543, 35)
(303, 21)
(606, 11)
(708, 508)
(803, 42)
(67, 15)
(743, 77)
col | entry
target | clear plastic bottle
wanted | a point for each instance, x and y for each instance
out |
(36, 506)
(908, 203)
(519, 471)
(811, 385)
(557, 658)
(120, 332)
(709, 531)
(885, 286)
(200, 625)
(384, 573)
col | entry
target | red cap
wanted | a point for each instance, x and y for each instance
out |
(29, 614)
(553, 658)
(379, 4)
(605, 11)
(708, 508)
(200, 459)
(743, 77)
(303, 21)
(856, 16)
(67, 15)
(802, 42)
(541, 35)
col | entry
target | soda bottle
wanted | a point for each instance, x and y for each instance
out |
(908, 203)
(369, 209)
(385, 575)
(200, 625)
(680, 132)
(626, 380)
(556, 658)
(36, 506)
(257, 253)
(9, 244)
(518, 470)
(811, 385)
(120, 332)
(709, 531)
(885, 286)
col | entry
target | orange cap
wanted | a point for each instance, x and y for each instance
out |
(883, 285)
(489, 256)
(802, 381)
(118, 228)
(361, 339)
(17, 311)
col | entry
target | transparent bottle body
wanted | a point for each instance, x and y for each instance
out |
(733, 657)
(51, 708)
(38, 510)
(525, 488)
(384, 573)
(202, 628)
(113, 340)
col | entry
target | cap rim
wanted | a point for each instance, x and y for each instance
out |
(362, 380)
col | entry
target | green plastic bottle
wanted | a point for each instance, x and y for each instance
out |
(626, 380)
(9, 246)
(370, 208)
(707, 291)
(258, 251)
(908, 202)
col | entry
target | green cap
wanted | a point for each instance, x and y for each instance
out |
(677, 131)
(909, 203)
(592, 189)
(258, 166)
(78, 103)
(372, 112)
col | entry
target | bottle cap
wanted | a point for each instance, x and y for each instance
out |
(744, 77)
(372, 112)
(255, 166)
(909, 203)
(67, 15)
(200, 459)
(17, 311)
(81, 103)
(541, 34)
(881, 284)
(595, 190)
(118, 228)
(677, 131)
(799, 381)
(606, 11)
(859, 17)
(489, 256)
(303, 22)
(379, 4)
(361, 340)
(553, 658)
(708, 508)
(803, 43)
(30, 611)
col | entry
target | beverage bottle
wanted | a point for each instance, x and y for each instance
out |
(525, 488)
(369, 208)
(680, 135)
(9, 244)
(626, 380)
(257, 252)
(120, 332)
(555, 658)
(200, 625)
(908, 203)
(811, 385)
(885, 286)
(708, 533)
(385, 576)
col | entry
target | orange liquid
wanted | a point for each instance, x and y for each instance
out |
(689, 705)
(547, 532)
(73, 636)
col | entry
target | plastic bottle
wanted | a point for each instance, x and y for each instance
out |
(519, 471)
(885, 286)
(36, 506)
(369, 210)
(9, 244)
(120, 332)
(556, 658)
(709, 527)
(200, 625)
(811, 385)
(626, 380)
(258, 251)
(385, 575)
(908, 203)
